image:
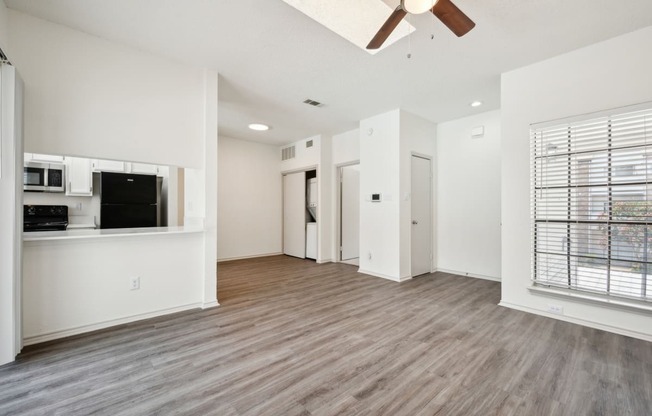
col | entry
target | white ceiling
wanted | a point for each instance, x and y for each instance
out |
(271, 57)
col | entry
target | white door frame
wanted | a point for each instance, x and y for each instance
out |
(432, 220)
(338, 209)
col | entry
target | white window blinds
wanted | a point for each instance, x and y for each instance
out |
(592, 203)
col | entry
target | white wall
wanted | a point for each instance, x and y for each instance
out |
(468, 200)
(387, 142)
(380, 173)
(418, 136)
(250, 209)
(606, 75)
(325, 173)
(89, 97)
(305, 157)
(11, 213)
(346, 150)
(318, 157)
(208, 151)
(346, 147)
(4, 32)
(76, 286)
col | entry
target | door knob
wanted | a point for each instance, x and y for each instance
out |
(414, 222)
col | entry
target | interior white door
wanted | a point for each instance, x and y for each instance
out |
(350, 212)
(421, 216)
(294, 214)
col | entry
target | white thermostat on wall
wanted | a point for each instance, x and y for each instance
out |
(375, 198)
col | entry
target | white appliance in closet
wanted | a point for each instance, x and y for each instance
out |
(311, 226)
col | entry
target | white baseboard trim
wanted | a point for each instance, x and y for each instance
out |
(211, 304)
(253, 256)
(579, 321)
(384, 276)
(474, 275)
(37, 339)
(322, 261)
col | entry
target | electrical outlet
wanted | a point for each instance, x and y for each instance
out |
(135, 283)
(370, 255)
(556, 309)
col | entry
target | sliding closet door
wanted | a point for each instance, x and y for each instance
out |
(294, 214)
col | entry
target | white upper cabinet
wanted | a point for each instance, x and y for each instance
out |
(144, 168)
(79, 177)
(37, 157)
(100, 165)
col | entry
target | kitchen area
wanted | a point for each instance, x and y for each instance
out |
(105, 108)
(104, 243)
(63, 193)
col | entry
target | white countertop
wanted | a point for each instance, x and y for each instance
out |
(108, 233)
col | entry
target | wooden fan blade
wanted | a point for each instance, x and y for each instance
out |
(387, 28)
(452, 17)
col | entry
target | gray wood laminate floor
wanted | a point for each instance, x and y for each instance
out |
(296, 338)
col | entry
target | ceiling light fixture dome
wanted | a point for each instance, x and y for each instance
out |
(259, 127)
(417, 6)
(476, 103)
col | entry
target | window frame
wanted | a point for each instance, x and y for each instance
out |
(537, 146)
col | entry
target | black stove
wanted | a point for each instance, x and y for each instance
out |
(45, 218)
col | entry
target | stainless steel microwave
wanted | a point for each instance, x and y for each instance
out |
(43, 177)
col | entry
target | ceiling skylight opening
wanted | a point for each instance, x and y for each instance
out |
(356, 21)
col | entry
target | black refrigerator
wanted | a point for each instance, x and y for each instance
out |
(128, 200)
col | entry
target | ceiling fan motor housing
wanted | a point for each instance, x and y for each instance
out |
(417, 6)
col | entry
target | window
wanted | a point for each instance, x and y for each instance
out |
(592, 203)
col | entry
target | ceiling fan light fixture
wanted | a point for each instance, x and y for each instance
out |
(417, 6)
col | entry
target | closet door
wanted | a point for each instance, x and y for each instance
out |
(294, 214)
(350, 212)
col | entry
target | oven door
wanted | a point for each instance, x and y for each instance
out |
(55, 178)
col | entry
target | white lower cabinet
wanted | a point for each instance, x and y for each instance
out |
(79, 177)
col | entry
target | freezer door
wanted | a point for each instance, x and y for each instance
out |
(127, 216)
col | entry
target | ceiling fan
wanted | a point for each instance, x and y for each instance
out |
(444, 10)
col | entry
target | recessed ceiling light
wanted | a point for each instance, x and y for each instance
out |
(258, 127)
(476, 103)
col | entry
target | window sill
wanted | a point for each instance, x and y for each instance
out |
(629, 305)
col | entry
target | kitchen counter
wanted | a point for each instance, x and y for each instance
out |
(107, 233)
(77, 281)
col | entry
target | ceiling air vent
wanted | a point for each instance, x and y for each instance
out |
(313, 103)
(288, 153)
(309, 143)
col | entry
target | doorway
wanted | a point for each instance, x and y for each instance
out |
(421, 230)
(350, 214)
(300, 214)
